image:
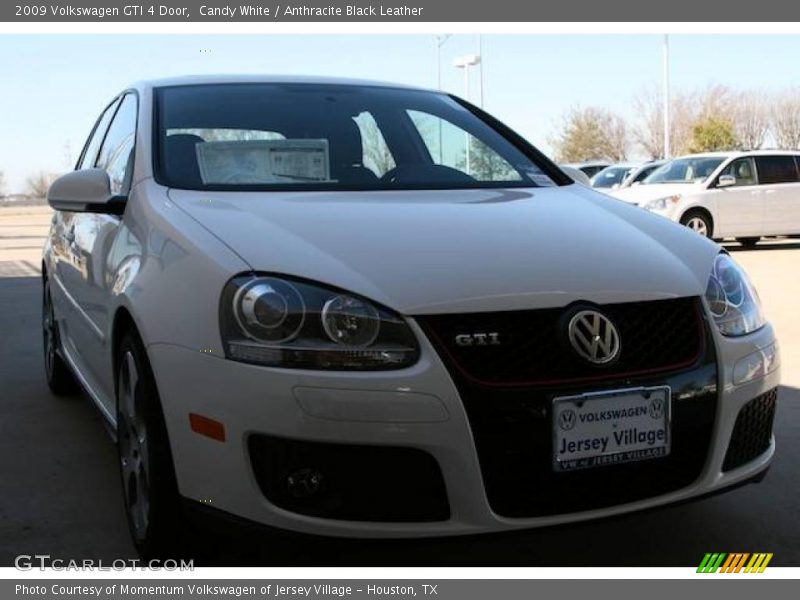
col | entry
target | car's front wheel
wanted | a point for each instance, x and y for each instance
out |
(148, 476)
(57, 373)
(698, 222)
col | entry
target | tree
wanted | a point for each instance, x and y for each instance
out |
(590, 133)
(648, 131)
(2, 183)
(786, 119)
(485, 164)
(39, 183)
(712, 133)
(750, 118)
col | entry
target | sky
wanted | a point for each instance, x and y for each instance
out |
(52, 87)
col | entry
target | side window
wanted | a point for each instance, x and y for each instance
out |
(776, 169)
(93, 143)
(451, 146)
(116, 153)
(644, 173)
(743, 169)
(376, 154)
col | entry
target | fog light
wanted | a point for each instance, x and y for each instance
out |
(756, 365)
(304, 483)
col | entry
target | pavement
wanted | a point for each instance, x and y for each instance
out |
(60, 492)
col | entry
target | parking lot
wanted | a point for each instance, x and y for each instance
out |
(59, 490)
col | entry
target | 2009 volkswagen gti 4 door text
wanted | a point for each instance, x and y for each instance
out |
(360, 309)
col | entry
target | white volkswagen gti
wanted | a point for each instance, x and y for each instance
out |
(742, 195)
(359, 309)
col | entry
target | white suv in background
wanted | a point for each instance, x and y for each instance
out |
(742, 195)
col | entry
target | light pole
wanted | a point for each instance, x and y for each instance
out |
(480, 69)
(440, 41)
(465, 62)
(666, 96)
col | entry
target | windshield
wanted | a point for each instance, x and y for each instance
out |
(610, 176)
(685, 170)
(323, 136)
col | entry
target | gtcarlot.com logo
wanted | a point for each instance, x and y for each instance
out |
(737, 562)
(28, 562)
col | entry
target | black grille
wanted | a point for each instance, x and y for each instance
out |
(663, 335)
(357, 483)
(512, 423)
(752, 431)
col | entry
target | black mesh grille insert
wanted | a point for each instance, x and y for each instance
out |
(665, 343)
(752, 431)
(655, 336)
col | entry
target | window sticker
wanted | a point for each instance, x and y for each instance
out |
(539, 178)
(264, 161)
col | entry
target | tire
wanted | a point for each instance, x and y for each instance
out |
(748, 242)
(147, 473)
(698, 222)
(57, 373)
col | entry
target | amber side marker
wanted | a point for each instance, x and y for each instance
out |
(207, 427)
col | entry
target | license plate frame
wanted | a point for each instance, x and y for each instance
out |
(631, 401)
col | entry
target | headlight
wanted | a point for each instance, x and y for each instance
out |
(283, 322)
(662, 203)
(732, 299)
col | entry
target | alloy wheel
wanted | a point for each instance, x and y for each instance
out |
(698, 225)
(133, 446)
(48, 333)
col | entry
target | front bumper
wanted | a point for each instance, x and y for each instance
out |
(418, 408)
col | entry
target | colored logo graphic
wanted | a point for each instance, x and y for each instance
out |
(738, 562)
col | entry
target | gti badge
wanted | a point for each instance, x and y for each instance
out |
(593, 336)
(478, 339)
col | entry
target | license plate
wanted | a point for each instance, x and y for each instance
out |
(608, 428)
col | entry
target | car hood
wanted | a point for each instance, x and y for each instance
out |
(641, 194)
(425, 252)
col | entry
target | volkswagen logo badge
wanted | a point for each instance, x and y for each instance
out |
(656, 408)
(566, 419)
(593, 336)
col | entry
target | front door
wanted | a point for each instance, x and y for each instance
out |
(740, 207)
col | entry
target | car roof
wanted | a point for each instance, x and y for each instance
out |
(622, 165)
(736, 153)
(190, 80)
(588, 163)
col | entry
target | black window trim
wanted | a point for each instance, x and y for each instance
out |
(121, 98)
(90, 137)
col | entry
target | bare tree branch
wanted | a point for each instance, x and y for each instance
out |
(750, 118)
(648, 131)
(786, 119)
(39, 183)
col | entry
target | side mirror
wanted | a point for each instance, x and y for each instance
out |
(87, 190)
(726, 181)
